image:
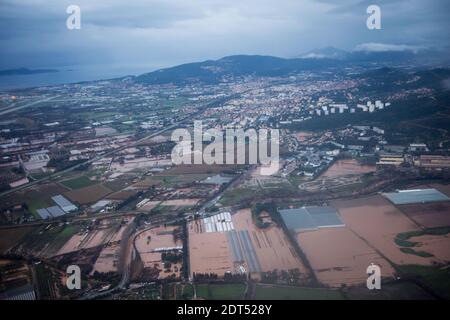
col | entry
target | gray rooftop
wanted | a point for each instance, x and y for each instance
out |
(310, 218)
(43, 213)
(63, 203)
(217, 179)
(415, 196)
(56, 211)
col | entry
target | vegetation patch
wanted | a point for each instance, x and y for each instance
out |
(78, 182)
(434, 278)
(228, 291)
(402, 239)
(264, 292)
(417, 253)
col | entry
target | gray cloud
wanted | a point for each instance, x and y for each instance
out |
(159, 33)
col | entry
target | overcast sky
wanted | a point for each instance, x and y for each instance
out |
(160, 33)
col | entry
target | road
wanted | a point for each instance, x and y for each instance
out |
(6, 111)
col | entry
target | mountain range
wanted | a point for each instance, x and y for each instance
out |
(213, 71)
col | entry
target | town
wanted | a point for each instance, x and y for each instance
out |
(87, 178)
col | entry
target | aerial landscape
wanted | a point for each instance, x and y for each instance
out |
(88, 177)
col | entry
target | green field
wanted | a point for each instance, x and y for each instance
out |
(187, 291)
(400, 290)
(36, 203)
(436, 278)
(171, 180)
(78, 183)
(220, 291)
(236, 196)
(52, 239)
(264, 292)
(402, 239)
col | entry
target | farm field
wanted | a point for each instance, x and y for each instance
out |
(201, 169)
(180, 202)
(107, 260)
(378, 222)
(400, 290)
(428, 215)
(78, 182)
(107, 231)
(150, 245)
(238, 195)
(88, 194)
(339, 257)
(272, 292)
(10, 237)
(432, 242)
(228, 291)
(347, 167)
(46, 241)
(434, 277)
(272, 247)
(209, 252)
(169, 180)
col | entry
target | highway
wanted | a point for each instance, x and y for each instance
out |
(6, 111)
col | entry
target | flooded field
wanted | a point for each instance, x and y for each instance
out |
(347, 167)
(180, 202)
(243, 247)
(209, 252)
(428, 215)
(106, 232)
(152, 244)
(339, 257)
(139, 163)
(108, 259)
(377, 221)
(271, 245)
(437, 245)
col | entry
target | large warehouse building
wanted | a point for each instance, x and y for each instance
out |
(310, 218)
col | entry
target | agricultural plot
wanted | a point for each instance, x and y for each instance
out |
(89, 194)
(107, 231)
(271, 246)
(432, 242)
(181, 202)
(78, 182)
(46, 241)
(339, 257)
(347, 167)
(227, 291)
(428, 215)
(378, 222)
(107, 260)
(160, 251)
(218, 245)
(270, 292)
(10, 237)
(35, 198)
(209, 252)
(139, 163)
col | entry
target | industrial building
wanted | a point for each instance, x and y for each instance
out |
(310, 218)
(415, 196)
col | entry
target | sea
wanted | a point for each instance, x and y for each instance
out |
(70, 74)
